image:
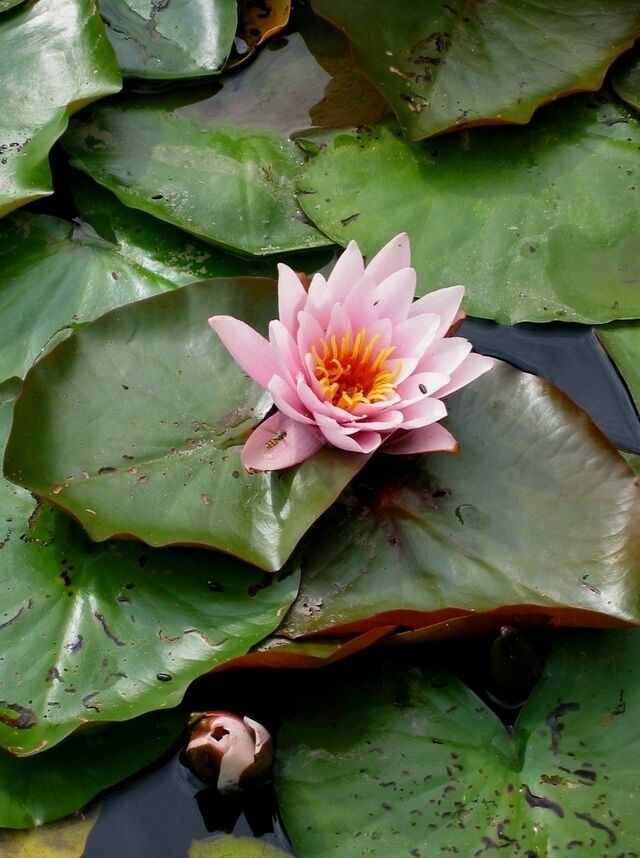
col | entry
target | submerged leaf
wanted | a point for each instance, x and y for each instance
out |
(65, 839)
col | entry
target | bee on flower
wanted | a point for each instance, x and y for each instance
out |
(354, 362)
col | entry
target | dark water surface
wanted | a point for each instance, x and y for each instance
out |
(158, 813)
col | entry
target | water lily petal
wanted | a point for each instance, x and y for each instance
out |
(414, 336)
(287, 400)
(319, 301)
(291, 298)
(395, 295)
(247, 347)
(360, 303)
(445, 355)
(427, 410)
(444, 303)
(431, 439)
(341, 437)
(394, 255)
(474, 366)
(280, 442)
(310, 332)
(421, 384)
(346, 272)
(312, 399)
(285, 351)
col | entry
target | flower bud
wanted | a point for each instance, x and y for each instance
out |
(227, 751)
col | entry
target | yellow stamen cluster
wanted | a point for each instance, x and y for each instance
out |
(351, 372)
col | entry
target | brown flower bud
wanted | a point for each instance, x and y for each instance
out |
(227, 751)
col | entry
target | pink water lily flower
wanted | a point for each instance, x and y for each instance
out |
(354, 362)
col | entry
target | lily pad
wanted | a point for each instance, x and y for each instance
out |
(146, 416)
(58, 782)
(538, 223)
(626, 78)
(66, 838)
(228, 846)
(170, 39)
(257, 23)
(113, 630)
(622, 341)
(446, 66)
(403, 759)
(54, 58)
(537, 519)
(5, 5)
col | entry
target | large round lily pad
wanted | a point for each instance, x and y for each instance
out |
(538, 223)
(170, 40)
(400, 758)
(445, 66)
(146, 414)
(54, 58)
(622, 341)
(107, 632)
(537, 518)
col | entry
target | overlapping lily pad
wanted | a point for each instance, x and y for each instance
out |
(58, 782)
(107, 632)
(536, 519)
(58, 275)
(170, 39)
(539, 223)
(622, 341)
(626, 78)
(403, 759)
(54, 58)
(446, 66)
(146, 414)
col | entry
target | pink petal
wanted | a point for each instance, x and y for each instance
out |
(360, 303)
(339, 323)
(291, 298)
(247, 347)
(393, 256)
(445, 355)
(387, 422)
(280, 442)
(428, 410)
(473, 367)
(285, 351)
(421, 384)
(319, 301)
(310, 332)
(442, 302)
(346, 272)
(314, 402)
(414, 336)
(341, 438)
(395, 295)
(431, 439)
(287, 400)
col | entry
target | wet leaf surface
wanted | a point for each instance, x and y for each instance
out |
(64, 839)
(170, 39)
(449, 66)
(626, 78)
(401, 758)
(538, 223)
(168, 411)
(59, 781)
(113, 630)
(54, 58)
(536, 519)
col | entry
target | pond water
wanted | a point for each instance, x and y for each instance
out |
(161, 811)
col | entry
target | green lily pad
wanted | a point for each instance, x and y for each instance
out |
(42, 787)
(232, 182)
(107, 632)
(444, 67)
(537, 518)
(539, 223)
(170, 39)
(146, 416)
(622, 341)
(403, 759)
(54, 58)
(626, 78)
(5, 5)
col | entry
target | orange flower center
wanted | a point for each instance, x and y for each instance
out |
(352, 371)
